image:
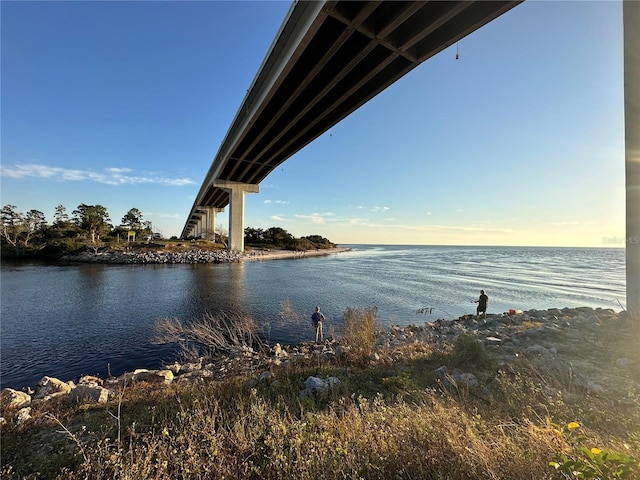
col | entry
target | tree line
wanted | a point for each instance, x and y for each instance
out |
(279, 238)
(89, 226)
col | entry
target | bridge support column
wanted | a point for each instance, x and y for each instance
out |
(198, 227)
(210, 224)
(197, 231)
(631, 20)
(236, 191)
(204, 223)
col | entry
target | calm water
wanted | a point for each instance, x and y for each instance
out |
(66, 321)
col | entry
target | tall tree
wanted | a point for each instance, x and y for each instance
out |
(277, 236)
(60, 218)
(11, 224)
(62, 225)
(253, 236)
(133, 219)
(33, 224)
(94, 219)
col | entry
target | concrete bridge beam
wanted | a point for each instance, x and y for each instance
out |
(236, 190)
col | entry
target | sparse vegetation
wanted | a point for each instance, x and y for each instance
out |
(212, 336)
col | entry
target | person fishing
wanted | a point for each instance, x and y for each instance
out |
(316, 319)
(482, 302)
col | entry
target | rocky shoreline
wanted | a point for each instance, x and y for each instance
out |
(569, 342)
(191, 256)
(155, 257)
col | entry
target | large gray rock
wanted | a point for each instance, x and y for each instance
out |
(466, 379)
(538, 350)
(315, 382)
(49, 387)
(23, 416)
(14, 398)
(155, 376)
(316, 386)
(151, 376)
(84, 393)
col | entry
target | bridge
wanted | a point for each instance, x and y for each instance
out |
(331, 57)
(327, 60)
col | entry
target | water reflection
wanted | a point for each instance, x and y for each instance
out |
(211, 288)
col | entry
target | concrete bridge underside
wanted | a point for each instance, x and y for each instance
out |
(328, 59)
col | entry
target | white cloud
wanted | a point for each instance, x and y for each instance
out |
(380, 209)
(315, 218)
(278, 218)
(108, 176)
(278, 202)
(318, 218)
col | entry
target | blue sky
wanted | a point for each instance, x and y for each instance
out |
(518, 142)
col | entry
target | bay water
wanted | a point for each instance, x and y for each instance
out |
(70, 320)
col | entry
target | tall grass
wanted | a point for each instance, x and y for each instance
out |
(231, 430)
(359, 439)
(359, 332)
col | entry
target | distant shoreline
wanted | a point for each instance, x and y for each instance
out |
(258, 255)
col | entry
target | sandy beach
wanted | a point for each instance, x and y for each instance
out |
(259, 255)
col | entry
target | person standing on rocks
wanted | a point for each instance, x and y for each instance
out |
(482, 302)
(316, 319)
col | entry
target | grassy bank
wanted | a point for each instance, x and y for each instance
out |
(389, 417)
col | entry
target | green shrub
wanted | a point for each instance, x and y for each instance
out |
(468, 351)
(70, 246)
